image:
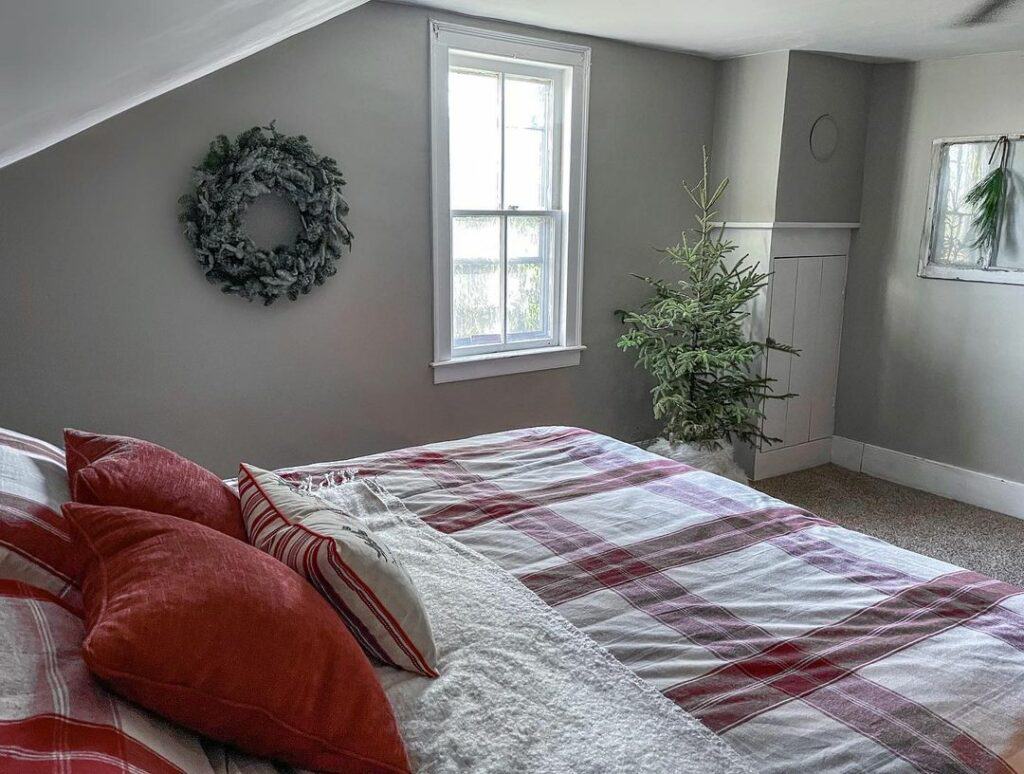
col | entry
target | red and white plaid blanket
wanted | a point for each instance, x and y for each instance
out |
(805, 645)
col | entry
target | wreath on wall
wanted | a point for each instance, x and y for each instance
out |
(232, 176)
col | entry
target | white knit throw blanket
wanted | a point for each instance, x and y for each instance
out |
(521, 689)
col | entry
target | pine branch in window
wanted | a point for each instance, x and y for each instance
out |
(988, 199)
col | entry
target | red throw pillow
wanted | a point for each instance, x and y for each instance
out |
(224, 639)
(115, 470)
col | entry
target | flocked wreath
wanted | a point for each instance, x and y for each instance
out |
(233, 175)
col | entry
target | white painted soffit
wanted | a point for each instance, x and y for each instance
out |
(66, 65)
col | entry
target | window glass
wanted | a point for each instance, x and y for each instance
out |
(475, 138)
(529, 278)
(528, 108)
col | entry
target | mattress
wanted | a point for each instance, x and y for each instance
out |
(803, 645)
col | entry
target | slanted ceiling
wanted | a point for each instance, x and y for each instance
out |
(68, 64)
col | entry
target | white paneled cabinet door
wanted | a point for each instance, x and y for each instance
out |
(806, 313)
(780, 329)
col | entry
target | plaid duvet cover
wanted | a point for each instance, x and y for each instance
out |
(806, 646)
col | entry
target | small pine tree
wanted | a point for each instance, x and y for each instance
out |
(689, 335)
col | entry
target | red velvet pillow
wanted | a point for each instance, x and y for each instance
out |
(224, 639)
(115, 470)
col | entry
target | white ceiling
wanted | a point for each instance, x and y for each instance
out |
(884, 29)
(68, 64)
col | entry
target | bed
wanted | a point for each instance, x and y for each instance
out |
(798, 645)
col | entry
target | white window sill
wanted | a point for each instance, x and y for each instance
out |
(504, 363)
(967, 274)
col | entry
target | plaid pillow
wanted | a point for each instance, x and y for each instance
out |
(55, 717)
(339, 555)
(35, 545)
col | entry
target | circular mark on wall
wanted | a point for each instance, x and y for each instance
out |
(824, 137)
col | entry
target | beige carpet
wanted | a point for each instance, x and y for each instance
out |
(967, 536)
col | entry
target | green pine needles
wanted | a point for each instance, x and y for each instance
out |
(690, 335)
(988, 199)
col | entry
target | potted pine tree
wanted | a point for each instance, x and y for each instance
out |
(690, 336)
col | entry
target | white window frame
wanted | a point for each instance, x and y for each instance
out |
(926, 268)
(449, 42)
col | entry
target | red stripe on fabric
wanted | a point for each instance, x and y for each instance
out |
(36, 532)
(381, 611)
(33, 446)
(595, 570)
(736, 692)
(837, 561)
(680, 489)
(894, 722)
(85, 747)
(352, 621)
(486, 502)
(999, 622)
(20, 590)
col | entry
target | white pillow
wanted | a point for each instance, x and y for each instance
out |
(339, 555)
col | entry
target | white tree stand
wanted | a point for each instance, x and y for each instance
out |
(719, 461)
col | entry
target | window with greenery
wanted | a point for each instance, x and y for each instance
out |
(974, 230)
(508, 130)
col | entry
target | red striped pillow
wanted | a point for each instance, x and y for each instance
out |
(346, 563)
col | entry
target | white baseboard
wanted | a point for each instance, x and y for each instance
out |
(846, 453)
(968, 486)
(778, 462)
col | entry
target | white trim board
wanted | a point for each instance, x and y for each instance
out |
(789, 459)
(968, 486)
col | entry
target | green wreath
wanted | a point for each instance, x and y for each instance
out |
(233, 175)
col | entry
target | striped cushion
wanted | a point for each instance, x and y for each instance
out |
(35, 545)
(55, 717)
(346, 563)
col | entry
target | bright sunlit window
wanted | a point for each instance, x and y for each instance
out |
(509, 137)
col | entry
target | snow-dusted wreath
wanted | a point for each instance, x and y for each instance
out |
(233, 175)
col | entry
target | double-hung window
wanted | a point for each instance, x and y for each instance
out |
(508, 117)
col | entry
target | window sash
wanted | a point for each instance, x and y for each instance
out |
(551, 284)
(946, 220)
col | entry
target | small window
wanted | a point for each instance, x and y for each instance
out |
(509, 138)
(951, 248)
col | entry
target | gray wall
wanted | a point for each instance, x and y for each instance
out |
(108, 323)
(765, 107)
(822, 191)
(931, 367)
(749, 111)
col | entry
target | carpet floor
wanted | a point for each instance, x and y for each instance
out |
(961, 534)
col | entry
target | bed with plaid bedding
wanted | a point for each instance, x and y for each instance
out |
(804, 645)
